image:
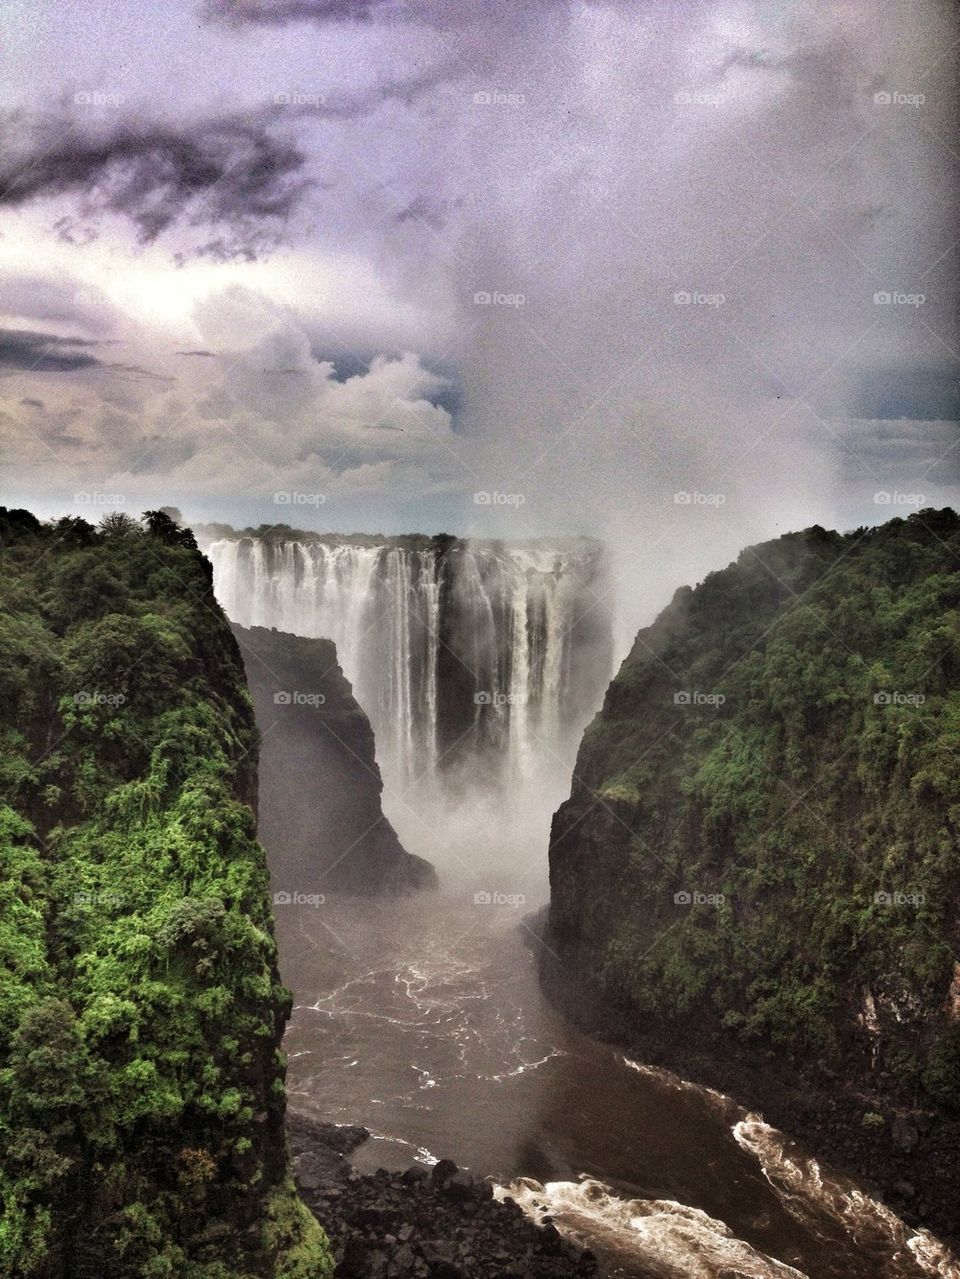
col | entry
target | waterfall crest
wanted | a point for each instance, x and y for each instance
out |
(467, 656)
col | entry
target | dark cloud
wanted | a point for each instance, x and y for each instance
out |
(207, 355)
(230, 171)
(28, 351)
(43, 352)
(272, 13)
(927, 395)
(30, 403)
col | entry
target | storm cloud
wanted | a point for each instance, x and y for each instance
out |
(224, 171)
(595, 254)
(33, 352)
(277, 12)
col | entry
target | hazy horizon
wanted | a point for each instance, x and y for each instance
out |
(682, 279)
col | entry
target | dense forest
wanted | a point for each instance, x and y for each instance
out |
(141, 1078)
(761, 842)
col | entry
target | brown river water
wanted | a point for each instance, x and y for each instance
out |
(423, 1019)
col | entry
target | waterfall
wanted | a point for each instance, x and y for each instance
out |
(470, 658)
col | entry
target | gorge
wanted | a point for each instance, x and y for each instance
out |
(404, 1065)
(685, 924)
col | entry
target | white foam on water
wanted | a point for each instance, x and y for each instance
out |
(807, 1189)
(668, 1239)
(668, 1079)
(423, 1155)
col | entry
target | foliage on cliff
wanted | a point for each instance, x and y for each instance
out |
(141, 1083)
(762, 836)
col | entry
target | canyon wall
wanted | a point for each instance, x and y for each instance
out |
(320, 818)
(759, 860)
(141, 1009)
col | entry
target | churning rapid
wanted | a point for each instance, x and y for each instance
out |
(461, 653)
(423, 1019)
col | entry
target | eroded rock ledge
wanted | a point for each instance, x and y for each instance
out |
(420, 1224)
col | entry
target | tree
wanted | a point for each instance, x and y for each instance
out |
(118, 524)
(75, 530)
(161, 524)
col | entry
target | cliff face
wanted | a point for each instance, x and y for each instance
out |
(141, 1082)
(320, 817)
(760, 850)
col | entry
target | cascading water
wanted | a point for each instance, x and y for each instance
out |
(466, 656)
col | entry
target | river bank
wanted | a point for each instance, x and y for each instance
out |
(420, 1224)
(910, 1160)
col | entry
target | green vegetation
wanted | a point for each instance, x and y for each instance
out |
(782, 742)
(141, 1082)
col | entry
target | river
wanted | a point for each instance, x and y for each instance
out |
(423, 1019)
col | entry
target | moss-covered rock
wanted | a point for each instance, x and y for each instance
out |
(761, 841)
(141, 1087)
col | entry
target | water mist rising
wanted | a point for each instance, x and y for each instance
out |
(478, 663)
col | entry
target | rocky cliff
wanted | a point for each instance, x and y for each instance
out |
(758, 862)
(320, 817)
(141, 1011)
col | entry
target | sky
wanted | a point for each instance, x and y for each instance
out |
(679, 275)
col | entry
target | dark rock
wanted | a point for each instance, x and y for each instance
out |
(309, 744)
(904, 1134)
(409, 1225)
(353, 1263)
(443, 1172)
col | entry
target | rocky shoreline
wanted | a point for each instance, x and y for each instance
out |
(909, 1161)
(439, 1223)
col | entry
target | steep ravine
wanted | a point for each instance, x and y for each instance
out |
(320, 817)
(755, 879)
